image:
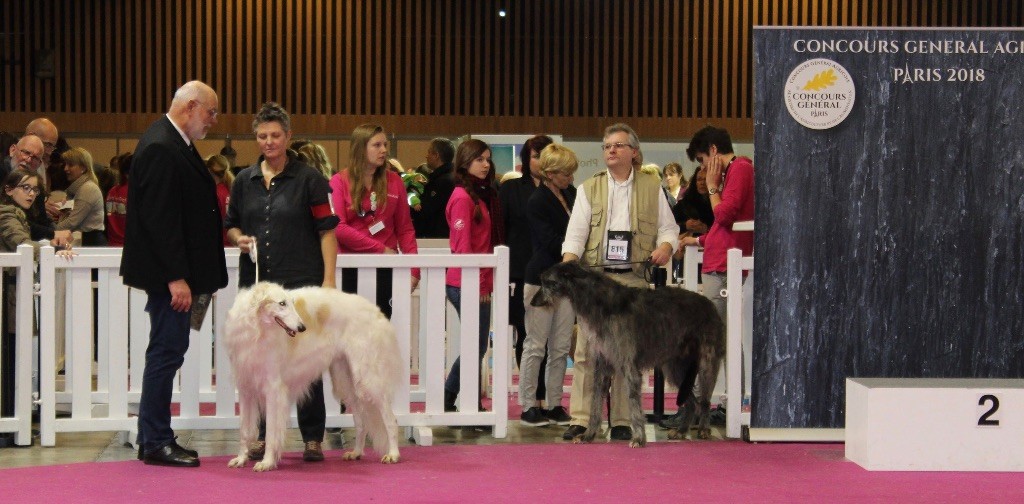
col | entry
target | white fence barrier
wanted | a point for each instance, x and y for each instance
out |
(19, 263)
(205, 381)
(739, 330)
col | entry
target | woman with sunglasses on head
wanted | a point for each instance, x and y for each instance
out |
(474, 218)
(279, 213)
(374, 214)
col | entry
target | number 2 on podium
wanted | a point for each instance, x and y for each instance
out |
(985, 419)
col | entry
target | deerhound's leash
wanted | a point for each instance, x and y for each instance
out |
(648, 268)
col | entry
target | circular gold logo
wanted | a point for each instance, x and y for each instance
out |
(819, 93)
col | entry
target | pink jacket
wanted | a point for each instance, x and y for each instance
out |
(737, 205)
(353, 232)
(467, 236)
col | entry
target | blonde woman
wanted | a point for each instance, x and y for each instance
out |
(85, 206)
(315, 155)
(220, 168)
(547, 328)
(374, 213)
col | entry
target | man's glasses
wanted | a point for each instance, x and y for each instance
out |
(31, 189)
(617, 146)
(213, 112)
(31, 156)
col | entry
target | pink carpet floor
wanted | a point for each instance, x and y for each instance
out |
(721, 471)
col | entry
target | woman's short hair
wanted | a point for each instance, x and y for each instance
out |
(272, 112)
(77, 156)
(558, 158)
(651, 169)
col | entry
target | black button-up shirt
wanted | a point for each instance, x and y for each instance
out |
(285, 220)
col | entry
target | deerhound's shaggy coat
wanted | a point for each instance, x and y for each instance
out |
(636, 329)
(274, 365)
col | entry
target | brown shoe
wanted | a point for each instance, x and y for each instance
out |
(257, 450)
(313, 453)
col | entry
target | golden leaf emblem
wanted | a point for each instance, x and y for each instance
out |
(821, 81)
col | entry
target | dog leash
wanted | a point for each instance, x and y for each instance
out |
(648, 269)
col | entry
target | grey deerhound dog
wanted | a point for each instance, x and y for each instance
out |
(636, 329)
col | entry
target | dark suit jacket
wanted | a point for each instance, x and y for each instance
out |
(174, 226)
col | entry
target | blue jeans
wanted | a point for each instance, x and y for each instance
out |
(168, 342)
(451, 384)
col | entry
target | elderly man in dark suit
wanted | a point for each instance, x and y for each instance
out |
(173, 250)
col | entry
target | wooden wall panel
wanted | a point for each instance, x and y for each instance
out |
(421, 67)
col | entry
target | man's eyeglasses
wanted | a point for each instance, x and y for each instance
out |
(617, 145)
(31, 189)
(31, 156)
(213, 111)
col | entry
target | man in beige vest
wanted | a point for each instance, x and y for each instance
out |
(620, 221)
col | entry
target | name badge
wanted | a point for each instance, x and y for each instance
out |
(376, 227)
(618, 246)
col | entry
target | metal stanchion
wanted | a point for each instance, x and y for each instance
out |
(659, 277)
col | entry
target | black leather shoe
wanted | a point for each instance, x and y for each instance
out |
(622, 433)
(573, 431)
(171, 455)
(175, 442)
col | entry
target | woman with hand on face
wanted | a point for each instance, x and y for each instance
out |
(88, 210)
(474, 218)
(279, 212)
(374, 213)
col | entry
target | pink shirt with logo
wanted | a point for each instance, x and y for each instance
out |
(353, 232)
(467, 236)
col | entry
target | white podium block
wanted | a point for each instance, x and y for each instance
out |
(926, 424)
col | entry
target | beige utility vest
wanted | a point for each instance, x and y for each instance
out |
(643, 218)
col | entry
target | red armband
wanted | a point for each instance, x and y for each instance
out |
(322, 210)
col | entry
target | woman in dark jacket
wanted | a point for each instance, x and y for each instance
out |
(514, 196)
(285, 203)
(547, 328)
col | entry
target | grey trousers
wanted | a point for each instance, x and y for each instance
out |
(547, 327)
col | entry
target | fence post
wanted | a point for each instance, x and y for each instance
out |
(23, 346)
(47, 348)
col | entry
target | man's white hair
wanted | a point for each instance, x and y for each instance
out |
(188, 91)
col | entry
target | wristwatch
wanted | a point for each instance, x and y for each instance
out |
(712, 191)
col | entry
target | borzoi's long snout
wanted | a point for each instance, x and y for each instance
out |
(300, 327)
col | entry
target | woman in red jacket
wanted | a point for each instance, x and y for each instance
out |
(370, 201)
(475, 223)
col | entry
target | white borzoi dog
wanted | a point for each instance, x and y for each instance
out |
(280, 341)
